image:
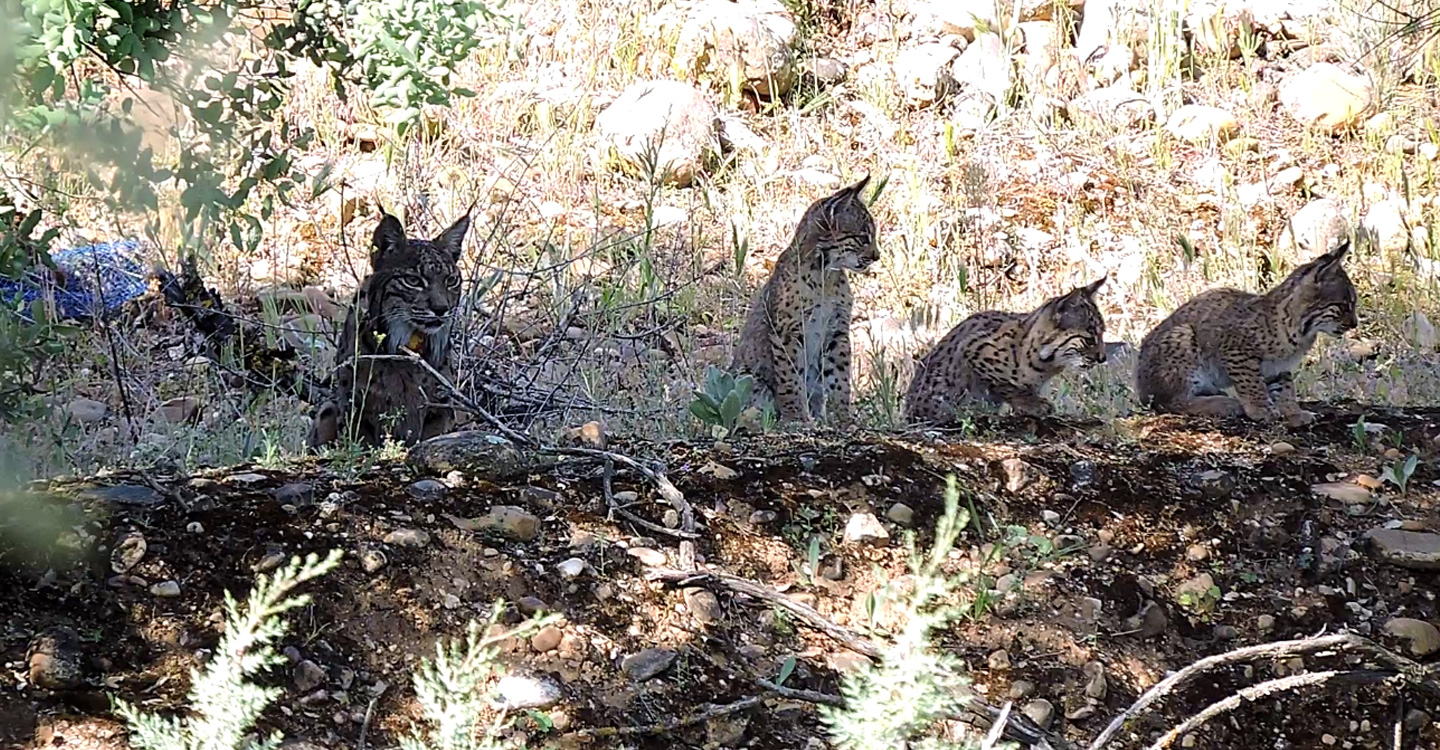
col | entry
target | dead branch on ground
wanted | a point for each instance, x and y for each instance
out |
(1423, 677)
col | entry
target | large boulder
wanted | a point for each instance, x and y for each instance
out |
(923, 73)
(474, 453)
(1327, 98)
(667, 122)
(750, 42)
(1317, 228)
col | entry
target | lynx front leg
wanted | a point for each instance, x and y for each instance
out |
(1282, 390)
(835, 365)
(787, 347)
(1244, 372)
(1021, 400)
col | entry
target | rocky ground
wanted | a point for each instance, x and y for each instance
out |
(1105, 554)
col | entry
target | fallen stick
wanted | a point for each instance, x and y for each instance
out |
(1264, 690)
(1410, 671)
(807, 614)
(677, 723)
(608, 490)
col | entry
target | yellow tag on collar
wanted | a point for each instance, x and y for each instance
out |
(417, 340)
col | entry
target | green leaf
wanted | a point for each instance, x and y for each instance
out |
(730, 409)
(787, 668)
(703, 412)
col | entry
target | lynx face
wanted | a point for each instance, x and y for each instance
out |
(415, 285)
(1327, 295)
(1072, 329)
(845, 230)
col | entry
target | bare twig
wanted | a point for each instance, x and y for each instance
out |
(993, 737)
(808, 696)
(667, 489)
(365, 723)
(678, 723)
(605, 484)
(1411, 672)
(807, 614)
(1264, 690)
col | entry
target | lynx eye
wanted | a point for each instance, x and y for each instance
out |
(453, 281)
(411, 282)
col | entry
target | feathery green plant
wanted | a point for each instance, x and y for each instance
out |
(224, 701)
(915, 685)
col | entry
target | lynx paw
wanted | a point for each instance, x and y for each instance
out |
(1262, 414)
(1300, 418)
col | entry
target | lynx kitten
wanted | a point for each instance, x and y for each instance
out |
(1226, 339)
(1004, 357)
(796, 338)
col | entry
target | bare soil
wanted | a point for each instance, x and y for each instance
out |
(1170, 498)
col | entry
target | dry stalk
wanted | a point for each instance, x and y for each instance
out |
(1406, 670)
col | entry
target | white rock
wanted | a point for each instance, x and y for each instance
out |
(865, 528)
(1421, 332)
(1384, 225)
(1327, 98)
(1423, 638)
(984, 67)
(1042, 48)
(924, 74)
(961, 17)
(671, 120)
(1198, 123)
(1318, 227)
(1114, 67)
(573, 568)
(518, 692)
(752, 37)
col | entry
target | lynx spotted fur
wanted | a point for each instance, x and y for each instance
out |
(995, 357)
(407, 300)
(796, 337)
(1226, 339)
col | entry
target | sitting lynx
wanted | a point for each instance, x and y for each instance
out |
(1251, 343)
(407, 300)
(1003, 357)
(796, 338)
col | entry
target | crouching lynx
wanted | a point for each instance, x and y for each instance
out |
(407, 300)
(1226, 339)
(796, 337)
(995, 357)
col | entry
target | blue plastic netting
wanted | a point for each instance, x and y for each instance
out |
(98, 280)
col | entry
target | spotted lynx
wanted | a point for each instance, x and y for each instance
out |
(407, 300)
(1226, 339)
(995, 357)
(796, 338)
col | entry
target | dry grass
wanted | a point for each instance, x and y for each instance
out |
(612, 317)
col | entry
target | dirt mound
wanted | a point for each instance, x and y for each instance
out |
(1123, 550)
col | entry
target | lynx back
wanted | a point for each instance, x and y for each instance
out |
(796, 337)
(995, 357)
(1226, 341)
(408, 300)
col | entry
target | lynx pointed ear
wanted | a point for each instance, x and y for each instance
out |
(855, 189)
(1094, 287)
(389, 237)
(1339, 253)
(452, 240)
